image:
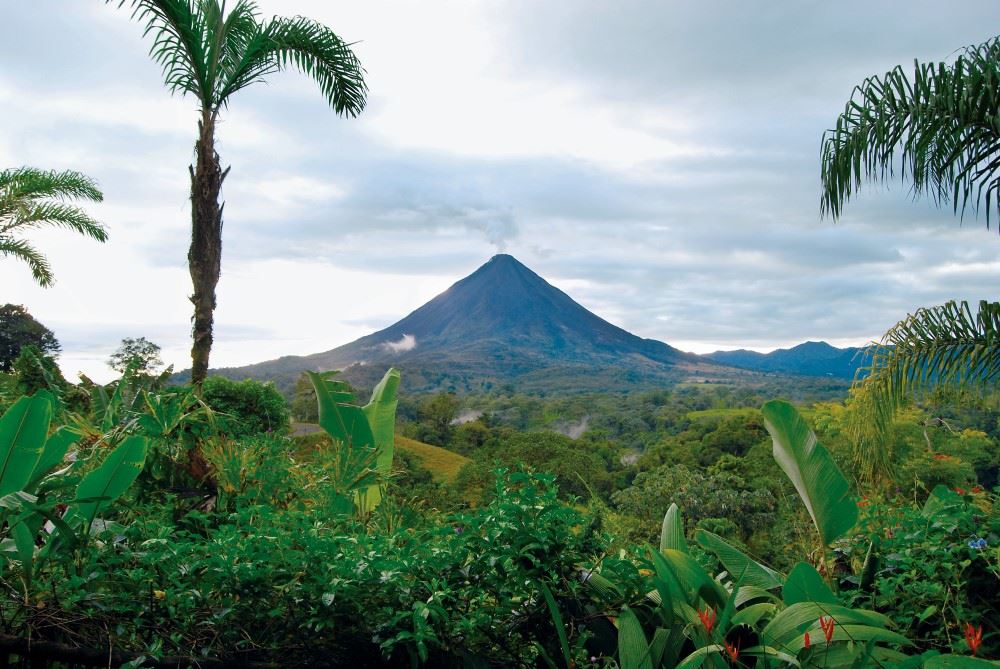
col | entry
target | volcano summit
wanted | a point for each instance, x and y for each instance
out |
(502, 323)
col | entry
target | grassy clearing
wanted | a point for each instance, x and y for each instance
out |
(441, 463)
(720, 413)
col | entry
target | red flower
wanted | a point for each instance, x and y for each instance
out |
(942, 456)
(862, 503)
(732, 650)
(805, 638)
(960, 491)
(973, 637)
(978, 489)
(707, 619)
(827, 624)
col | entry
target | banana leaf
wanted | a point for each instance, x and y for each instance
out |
(819, 482)
(108, 482)
(23, 431)
(52, 454)
(344, 422)
(381, 415)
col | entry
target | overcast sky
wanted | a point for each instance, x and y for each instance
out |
(658, 161)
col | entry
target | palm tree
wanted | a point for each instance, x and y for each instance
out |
(210, 54)
(31, 198)
(939, 130)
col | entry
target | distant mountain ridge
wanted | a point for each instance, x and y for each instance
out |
(502, 323)
(812, 358)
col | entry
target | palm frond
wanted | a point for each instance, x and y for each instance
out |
(56, 214)
(232, 39)
(178, 29)
(22, 250)
(32, 183)
(946, 345)
(938, 129)
(309, 47)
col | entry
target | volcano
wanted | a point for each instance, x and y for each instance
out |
(501, 324)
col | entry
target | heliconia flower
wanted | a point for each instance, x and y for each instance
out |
(805, 639)
(978, 489)
(732, 650)
(862, 503)
(827, 624)
(707, 617)
(973, 637)
(960, 491)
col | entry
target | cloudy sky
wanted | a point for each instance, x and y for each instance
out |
(658, 160)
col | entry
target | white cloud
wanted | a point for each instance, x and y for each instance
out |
(406, 343)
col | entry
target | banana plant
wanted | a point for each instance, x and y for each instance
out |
(365, 436)
(30, 460)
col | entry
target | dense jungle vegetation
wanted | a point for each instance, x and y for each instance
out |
(669, 530)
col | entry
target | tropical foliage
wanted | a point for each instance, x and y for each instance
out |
(312, 549)
(30, 199)
(936, 128)
(939, 346)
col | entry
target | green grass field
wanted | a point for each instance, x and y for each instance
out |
(441, 463)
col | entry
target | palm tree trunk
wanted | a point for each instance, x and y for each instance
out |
(205, 254)
(205, 265)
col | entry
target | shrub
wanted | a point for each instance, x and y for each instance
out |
(246, 407)
(938, 566)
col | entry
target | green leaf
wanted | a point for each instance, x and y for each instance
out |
(688, 581)
(381, 415)
(736, 562)
(847, 632)
(633, 649)
(698, 657)
(557, 621)
(344, 422)
(109, 481)
(751, 615)
(24, 539)
(52, 454)
(789, 624)
(768, 652)
(23, 429)
(958, 662)
(672, 532)
(819, 482)
(804, 584)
